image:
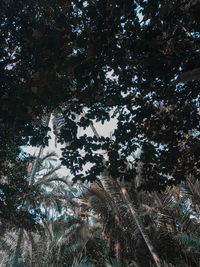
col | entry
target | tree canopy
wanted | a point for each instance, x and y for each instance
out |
(107, 57)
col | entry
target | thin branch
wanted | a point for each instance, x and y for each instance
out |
(187, 76)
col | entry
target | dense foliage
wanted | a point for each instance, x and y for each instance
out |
(57, 55)
(94, 228)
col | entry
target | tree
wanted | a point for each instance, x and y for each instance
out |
(57, 54)
(160, 119)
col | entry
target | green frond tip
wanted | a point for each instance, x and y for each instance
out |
(85, 263)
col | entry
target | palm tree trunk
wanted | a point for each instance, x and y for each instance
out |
(141, 229)
(35, 166)
(18, 248)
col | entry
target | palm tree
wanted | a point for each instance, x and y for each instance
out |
(166, 217)
(39, 180)
(158, 215)
(65, 237)
(121, 198)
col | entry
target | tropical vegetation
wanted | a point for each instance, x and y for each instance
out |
(132, 198)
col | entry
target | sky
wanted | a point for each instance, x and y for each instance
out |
(105, 130)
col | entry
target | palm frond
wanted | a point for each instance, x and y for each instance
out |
(191, 242)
